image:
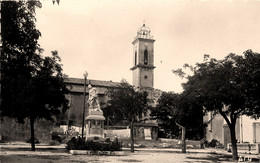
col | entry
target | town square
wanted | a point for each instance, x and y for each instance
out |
(130, 81)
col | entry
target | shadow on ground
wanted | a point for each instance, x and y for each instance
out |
(53, 150)
(211, 158)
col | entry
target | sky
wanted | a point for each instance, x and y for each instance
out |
(96, 35)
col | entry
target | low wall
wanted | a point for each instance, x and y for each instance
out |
(167, 140)
(246, 148)
(122, 133)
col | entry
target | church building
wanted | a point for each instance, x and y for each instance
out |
(143, 59)
(142, 76)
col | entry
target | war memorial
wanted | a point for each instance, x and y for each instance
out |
(83, 133)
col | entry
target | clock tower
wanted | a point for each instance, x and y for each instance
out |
(143, 58)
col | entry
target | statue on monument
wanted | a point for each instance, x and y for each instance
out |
(93, 99)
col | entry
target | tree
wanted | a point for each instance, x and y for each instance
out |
(229, 87)
(163, 113)
(32, 85)
(126, 105)
(180, 110)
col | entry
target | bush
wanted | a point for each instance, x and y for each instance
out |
(203, 143)
(36, 141)
(58, 137)
(214, 143)
(95, 144)
(54, 142)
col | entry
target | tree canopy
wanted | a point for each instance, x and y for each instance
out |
(229, 87)
(163, 113)
(175, 111)
(32, 85)
(232, 81)
(126, 105)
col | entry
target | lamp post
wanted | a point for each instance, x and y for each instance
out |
(84, 101)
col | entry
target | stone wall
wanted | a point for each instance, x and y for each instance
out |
(146, 132)
(10, 130)
(122, 133)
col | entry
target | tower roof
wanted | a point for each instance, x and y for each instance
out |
(144, 32)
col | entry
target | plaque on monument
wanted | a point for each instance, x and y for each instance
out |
(147, 133)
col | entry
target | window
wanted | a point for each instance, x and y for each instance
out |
(145, 56)
(135, 58)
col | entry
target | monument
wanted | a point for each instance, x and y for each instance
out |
(94, 143)
(95, 118)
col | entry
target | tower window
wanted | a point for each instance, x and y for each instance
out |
(145, 56)
(135, 58)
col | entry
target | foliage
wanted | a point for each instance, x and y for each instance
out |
(232, 81)
(37, 96)
(172, 108)
(59, 137)
(214, 143)
(32, 85)
(54, 142)
(163, 113)
(80, 144)
(36, 141)
(229, 87)
(125, 103)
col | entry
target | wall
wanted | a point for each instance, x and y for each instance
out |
(218, 129)
(139, 132)
(245, 131)
(11, 130)
(247, 134)
(76, 109)
(122, 133)
(214, 130)
(146, 82)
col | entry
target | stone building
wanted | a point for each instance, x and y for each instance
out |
(143, 59)
(247, 129)
(143, 79)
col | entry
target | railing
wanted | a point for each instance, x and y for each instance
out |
(144, 36)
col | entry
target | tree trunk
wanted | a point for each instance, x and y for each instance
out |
(32, 134)
(233, 141)
(132, 135)
(183, 136)
(232, 128)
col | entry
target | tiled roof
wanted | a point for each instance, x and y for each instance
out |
(92, 82)
(77, 85)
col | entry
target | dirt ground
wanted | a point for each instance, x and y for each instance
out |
(21, 153)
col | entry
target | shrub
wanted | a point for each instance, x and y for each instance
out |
(60, 137)
(203, 143)
(94, 144)
(54, 142)
(214, 143)
(36, 141)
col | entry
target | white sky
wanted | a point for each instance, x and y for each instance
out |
(96, 35)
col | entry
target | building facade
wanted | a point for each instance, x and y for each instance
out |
(143, 59)
(143, 80)
(247, 129)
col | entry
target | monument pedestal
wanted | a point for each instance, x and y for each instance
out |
(95, 124)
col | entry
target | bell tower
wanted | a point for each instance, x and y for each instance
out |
(143, 58)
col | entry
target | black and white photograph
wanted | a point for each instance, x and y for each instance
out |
(153, 81)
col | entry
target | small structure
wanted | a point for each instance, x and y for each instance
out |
(95, 118)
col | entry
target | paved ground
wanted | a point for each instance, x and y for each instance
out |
(21, 153)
